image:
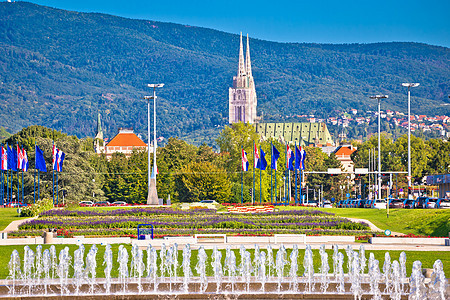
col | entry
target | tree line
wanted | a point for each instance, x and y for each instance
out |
(191, 173)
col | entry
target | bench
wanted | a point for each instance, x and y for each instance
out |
(210, 238)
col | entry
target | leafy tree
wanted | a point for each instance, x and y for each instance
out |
(201, 181)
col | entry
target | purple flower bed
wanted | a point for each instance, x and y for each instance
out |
(177, 222)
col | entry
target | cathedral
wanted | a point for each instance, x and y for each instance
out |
(242, 96)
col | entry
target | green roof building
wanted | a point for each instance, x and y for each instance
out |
(304, 134)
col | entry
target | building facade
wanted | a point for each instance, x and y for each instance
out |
(242, 96)
(303, 134)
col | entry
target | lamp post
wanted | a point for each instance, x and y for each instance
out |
(379, 97)
(409, 85)
(152, 197)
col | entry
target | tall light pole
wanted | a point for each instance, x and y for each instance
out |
(409, 85)
(152, 196)
(379, 97)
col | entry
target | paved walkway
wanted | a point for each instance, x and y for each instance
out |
(14, 225)
(372, 226)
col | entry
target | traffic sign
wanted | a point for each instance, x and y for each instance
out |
(387, 232)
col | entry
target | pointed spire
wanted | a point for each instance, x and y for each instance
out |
(241, 71)
(248, 66)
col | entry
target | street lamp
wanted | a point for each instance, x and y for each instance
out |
(379, 97)
(409, 85)
(152, 197)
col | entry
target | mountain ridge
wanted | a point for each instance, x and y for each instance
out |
(81, 63)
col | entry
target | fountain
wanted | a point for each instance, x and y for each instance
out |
(266, 271)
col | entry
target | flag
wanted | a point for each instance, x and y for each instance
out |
(275, 156)
(60, 160)
(303, 154)
(4, 159)
(262, 163)
(256, 156)
(40, 161)
(25, 164)
(298, 158)
(12, 159)
(55, 157)
(244, 161)
(290, 159)
(19, 158)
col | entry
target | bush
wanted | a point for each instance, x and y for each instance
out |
(36, 209)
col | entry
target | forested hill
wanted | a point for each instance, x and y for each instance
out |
(59, 68)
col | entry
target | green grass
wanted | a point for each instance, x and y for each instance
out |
(427, 258)
(432, 222)
(7, 215)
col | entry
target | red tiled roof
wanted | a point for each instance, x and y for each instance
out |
(344, 151)
(126, 139)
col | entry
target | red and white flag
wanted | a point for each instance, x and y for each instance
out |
(19, 158)
(55, 157)
(256, 156)
(4, 159)
(289, 154)
(25, 160)
(244, 161)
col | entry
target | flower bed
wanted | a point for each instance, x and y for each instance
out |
(169, 221)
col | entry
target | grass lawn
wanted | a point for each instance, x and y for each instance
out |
(7, 215)
(427, 258)
(432, 222)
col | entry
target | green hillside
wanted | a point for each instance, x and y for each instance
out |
(59, 68)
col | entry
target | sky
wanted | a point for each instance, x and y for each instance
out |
(310, 21)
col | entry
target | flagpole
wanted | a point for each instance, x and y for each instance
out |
(23, 198)
(295, 172)
(301, 181)
(253, 192)
(39, 195)
(53, 171)
(57, 194)
(34, 181)
(275, 186)
(284, 179)
(18, 178)
(242, 182)
(271, 159)
(260, 171)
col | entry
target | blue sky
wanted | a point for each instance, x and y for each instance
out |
(318, 21)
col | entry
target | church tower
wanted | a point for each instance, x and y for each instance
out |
(242, 96)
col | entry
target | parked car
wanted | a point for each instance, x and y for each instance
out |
(119, 203)
(209, 202)
(380, 204)
(444, 203)
(432, 203)
(313, 203)
(422, 202)
(362, 203)
(368, 203)
(15, 204)
(327, 204)
(410, 203)
(102, 203)
(86, 203)
(396, 203)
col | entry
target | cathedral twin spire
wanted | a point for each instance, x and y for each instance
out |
(245, 66)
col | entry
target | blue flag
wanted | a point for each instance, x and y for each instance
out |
(262, 163)
(12, 159)
(275, 156)
(40, 161)
(9, 154)
(298, 158)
